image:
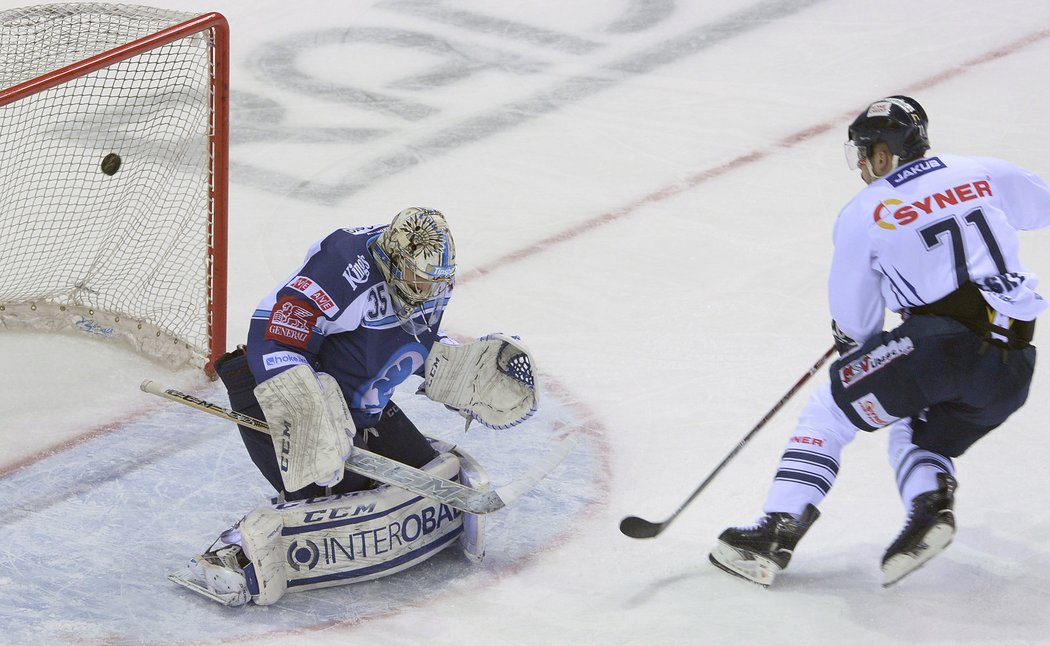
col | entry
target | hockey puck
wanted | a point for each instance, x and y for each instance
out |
(110, 164)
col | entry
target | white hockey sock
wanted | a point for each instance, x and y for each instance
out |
(916, 469)
(806, 473)
(810, 462)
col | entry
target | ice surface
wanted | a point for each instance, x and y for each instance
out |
(644, 191)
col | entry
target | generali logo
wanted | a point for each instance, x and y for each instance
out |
(291, 322)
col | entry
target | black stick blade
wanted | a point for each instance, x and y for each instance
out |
(636, 527)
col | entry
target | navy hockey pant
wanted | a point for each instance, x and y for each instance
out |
(393, 434)
(954, 385)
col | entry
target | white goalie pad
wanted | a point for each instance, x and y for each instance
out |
(217, 574)
(338, 413)
(492, 379)
(310, 425)
(244, 564)
(335, 540)
(366, 535)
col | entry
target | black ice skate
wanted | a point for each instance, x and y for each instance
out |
(930, 527)
(758, 552)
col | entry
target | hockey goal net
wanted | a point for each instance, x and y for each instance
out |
(113, 175)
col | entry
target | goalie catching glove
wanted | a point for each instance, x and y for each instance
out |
(490, 380)
(310, 424)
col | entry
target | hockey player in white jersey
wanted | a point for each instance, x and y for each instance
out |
(934, 239)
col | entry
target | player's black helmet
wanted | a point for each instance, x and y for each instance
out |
(898, 121)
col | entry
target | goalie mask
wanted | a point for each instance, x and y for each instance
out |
(417, 257)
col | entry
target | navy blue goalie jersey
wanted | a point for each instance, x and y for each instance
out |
(335, 314)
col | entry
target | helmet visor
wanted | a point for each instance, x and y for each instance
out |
(856, 155)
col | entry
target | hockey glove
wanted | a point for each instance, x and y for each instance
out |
(843, 343)
(491, 380)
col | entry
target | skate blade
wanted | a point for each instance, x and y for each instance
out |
(744, 565)
(933, 543)
(190, 581)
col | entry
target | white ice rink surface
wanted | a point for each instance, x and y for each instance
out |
(644, 191)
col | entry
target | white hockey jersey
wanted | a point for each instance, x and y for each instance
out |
(932, 225)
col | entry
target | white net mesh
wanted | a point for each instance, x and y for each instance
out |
(123, 253)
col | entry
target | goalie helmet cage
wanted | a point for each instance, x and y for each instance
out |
(113, 176)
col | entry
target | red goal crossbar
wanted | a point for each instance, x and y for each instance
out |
(218, 142)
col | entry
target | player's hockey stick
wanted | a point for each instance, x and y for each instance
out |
(392, 472)
(636, 527)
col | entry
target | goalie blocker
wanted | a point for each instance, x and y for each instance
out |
(335, 540)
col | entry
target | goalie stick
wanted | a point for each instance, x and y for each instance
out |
(636, 527)
(392, 472)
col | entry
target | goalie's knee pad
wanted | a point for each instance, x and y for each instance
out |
(324, 542)
(471, 474)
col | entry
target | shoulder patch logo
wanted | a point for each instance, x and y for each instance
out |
(292, 322)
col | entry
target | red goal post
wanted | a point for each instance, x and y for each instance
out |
(114, 176)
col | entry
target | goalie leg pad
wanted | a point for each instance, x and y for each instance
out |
(366, 535)
(261, 538)
(217, 574)
(244, 563)
(335, 540)
(305, 412)
(491, 379)
(338, 412)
